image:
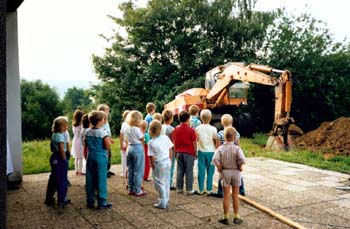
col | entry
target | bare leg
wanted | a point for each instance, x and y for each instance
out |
(226, 202)
(235, 199)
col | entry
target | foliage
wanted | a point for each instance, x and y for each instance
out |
(320, 68)
(36, 156)
(170, 45)
(76, 98)
(40, 106)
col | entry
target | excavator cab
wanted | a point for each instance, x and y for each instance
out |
(238, 92)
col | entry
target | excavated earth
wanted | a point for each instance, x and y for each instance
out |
(330, 137)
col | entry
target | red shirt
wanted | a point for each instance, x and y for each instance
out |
(183, 138)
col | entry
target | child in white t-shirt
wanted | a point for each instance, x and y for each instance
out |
(159, 150)
(207, 143)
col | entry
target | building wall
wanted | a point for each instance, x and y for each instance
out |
(14, 131)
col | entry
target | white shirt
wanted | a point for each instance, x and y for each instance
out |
(133, 134)
(206, 135)
(159, 147)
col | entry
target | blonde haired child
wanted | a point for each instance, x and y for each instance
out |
(229, 159)
(227, 121)
(167, 130)
(160, 153)
(123, 143)
(144, 127)
(135, 158)
(194, 120)
(158, 116)
(59, 165)
(105, 108)
(77, 150)
(207, 143)
(98, 144)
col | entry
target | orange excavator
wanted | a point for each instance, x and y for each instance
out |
(227, 85)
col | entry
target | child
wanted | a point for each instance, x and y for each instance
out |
(144, 128)
(86, 125)
(207, 143)
(158, 116)
(123, 143)
(150, 108)
(105, 108)
(59, 166)
(135, 158)
(229, 159)
(77, 146)
(98, 143)
(227, 121)
(160, 153)
(167, 130)
(185, 146)
(194, 120)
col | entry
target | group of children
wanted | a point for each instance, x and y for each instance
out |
(147, 143)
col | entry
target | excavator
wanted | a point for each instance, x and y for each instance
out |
(227, 85)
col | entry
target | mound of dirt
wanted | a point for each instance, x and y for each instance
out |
(330, 136)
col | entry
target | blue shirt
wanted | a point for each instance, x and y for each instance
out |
(194, 122)
(56, 139)
(220, 135)
(94, 138)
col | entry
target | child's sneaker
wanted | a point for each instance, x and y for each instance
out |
(200, 193)
(224, 221)
(105, 206)
(237, 220)
(190, 193)
(142, 193)
(179, 191)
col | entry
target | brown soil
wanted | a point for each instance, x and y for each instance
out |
(334, 137)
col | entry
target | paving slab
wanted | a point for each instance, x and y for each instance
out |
(301, 193)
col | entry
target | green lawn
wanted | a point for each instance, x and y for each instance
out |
(36, 155)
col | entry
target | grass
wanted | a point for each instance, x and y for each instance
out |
(36, 155)
(255, 147)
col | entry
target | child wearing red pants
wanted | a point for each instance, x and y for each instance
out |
(144, 127)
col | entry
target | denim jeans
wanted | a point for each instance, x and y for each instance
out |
(185, 164)
(136, 167)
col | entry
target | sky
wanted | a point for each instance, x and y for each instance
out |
(58, 37)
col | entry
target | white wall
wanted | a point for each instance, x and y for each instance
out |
(14, 131)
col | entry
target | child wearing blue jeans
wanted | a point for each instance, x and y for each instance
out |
(135, 152)
(98, 144)
(58, 180)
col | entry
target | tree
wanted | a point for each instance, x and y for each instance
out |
(171, 44)
(40, 106)
(320, 68)
(76, 98)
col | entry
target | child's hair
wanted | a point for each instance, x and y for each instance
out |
(167, 116)
(158, 116)
(144, 125)
(134, 118)
(230, 134)
(96, 116)
(206, 115)
(154, 128)
(226, 120)
(85, 121)
(58, 122)
(184, 116)
(194, 109)
(103, 107)
(125, 113)
(150, 107)
(78, 114)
